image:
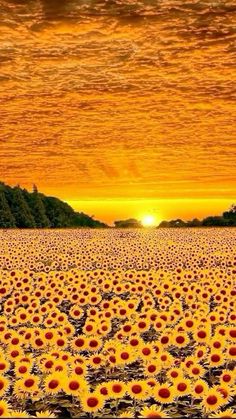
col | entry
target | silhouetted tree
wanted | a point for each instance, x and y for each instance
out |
(35, 189)
(6, 218)
(21, 210)
(177, 223)
(130, 223)
(194, 223)
(164, 224)
(214, 221)
(37, 210)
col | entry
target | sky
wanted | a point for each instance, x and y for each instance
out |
(120, 107)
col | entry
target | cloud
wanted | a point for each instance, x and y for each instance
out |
(118, 98)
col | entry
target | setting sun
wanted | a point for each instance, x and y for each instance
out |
(148, 221)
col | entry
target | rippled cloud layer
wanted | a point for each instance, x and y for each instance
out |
(118, 98)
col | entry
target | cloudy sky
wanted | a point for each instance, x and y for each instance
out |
(120, 107)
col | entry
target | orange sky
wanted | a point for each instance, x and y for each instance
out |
(120, 107)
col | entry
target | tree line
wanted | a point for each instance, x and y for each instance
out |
(227, 219)
(22, 209)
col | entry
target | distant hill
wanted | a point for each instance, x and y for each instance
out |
(22, 209)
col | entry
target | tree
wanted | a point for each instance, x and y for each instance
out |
(32, 209)
(164, 224)
(38, 210)
(7, 220)
(35, 189)
(21, 210)
(194, 223)
(177, 223)
(230, 215)
(214, 222)
(130, 223)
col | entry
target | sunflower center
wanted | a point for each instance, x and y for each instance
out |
(211, 400)
(53, 384)
(74, 385)
(29, 382)
(92, 402)
(164, 393)
(136, 389)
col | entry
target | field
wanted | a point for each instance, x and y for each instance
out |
(118, 323)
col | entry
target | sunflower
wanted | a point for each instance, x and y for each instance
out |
(14, 352)
(212, 400)
(138, 389)
(147, 352)
(216, 358)
(227, 414)
(79, 343)
(231, 352)
(142, 325)
(4, 385)
(202, 335)
(125, 355)
(38, 342)
(179, 339)
(174, 374)
(27, 386)
(182, 386)
(226, 391)
(152, 368)
(189, 324)
(228, 377)
(94, 343)
(105, 327)
(45, 414)
(166, 359)
(4, 365)
(116, 389)
(60, 342)
(79, 369)
(90, 328)
(19, 414)
(196, 371)
(74, 385)
(128, 329)
(201, 352)
(46, 364)
(231, 333)
(165, 339)
(22, 368)
(103, 389)
(153, 412)
(53, 383)
(127, 414)
(163, 393)
(48, 336)
(199, 388)
(5, 410)
(135, 342)
(96, 361)
(92, 402)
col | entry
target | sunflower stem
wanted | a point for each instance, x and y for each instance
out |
(134, 405)
(117, 404)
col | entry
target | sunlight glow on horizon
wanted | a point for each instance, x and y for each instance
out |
(110, 210)
(148, 221)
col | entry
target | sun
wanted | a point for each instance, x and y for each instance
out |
(148, 221)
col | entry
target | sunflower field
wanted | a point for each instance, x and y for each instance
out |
(118, 323)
